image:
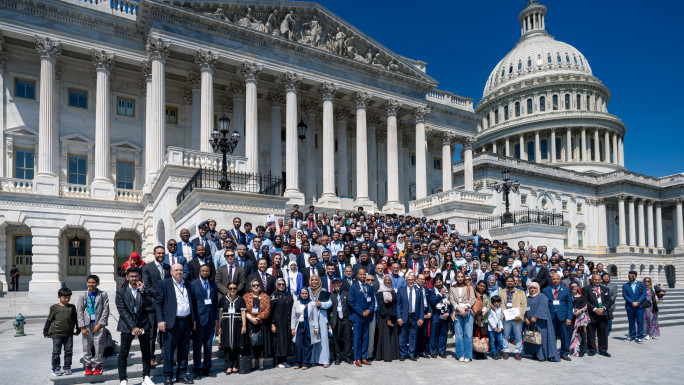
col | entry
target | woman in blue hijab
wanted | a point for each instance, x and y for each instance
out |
(304, 325)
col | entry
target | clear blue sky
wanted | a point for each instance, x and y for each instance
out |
(636, 48)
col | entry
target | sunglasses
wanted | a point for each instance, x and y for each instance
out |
(256, 285)
(281, 284)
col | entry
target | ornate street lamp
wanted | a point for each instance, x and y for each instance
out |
(76, 243)
(301, 127)
(220, 141)
(506, 187)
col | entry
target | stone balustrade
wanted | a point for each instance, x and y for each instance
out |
(449, 99)
(14, 185)
(74, 190)
(125, 195)
(454, 195)
(523, 118)
(127, 9)
(196, 159)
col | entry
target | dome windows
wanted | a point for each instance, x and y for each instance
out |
(567, 101)
(529, 106)
(539, 60)
(542, 103)
(554, 102)
(548, 59)
(510, 69)
(581, 62)
(543, 148)
(503, 73)
(519, 65)
(529, 62)
(496, 116)
(567, 58)
(558, 58)
(579, 102)
(575, 58)
(517, 109)
(505, 112)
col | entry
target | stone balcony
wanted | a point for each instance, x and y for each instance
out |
(178, 156)
(127, 9)
(449, 99)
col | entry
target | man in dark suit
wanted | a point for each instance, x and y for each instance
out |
(268, 281)
(174, 319)
(173, 257)
(598, 305)
(361, 301)
(152, 273)
(341, 263)
(236, 235)
(329, 277)
(230, 273)
(185, 247)
(243, 261)
(348, 279)
(410, 315)
(416, 264)
(423, 343)
(132, 302)
(204, 240)
(540, 274)
(560, 308)
(364, 263)
(340, 323)
(202, 259)
(307, 272)
(205, 311)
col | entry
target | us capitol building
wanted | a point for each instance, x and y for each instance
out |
(109, 109)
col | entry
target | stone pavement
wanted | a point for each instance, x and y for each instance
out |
(26, 360)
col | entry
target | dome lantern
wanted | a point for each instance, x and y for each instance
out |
(532, 19)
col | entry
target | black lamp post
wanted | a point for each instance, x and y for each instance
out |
(220, 141)
(301, 127)
(76, 243)
(506, 187)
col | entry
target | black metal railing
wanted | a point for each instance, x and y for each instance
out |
(265, 184)
(516, 218)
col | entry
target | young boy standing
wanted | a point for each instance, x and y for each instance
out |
(93, 312)
(61, 326)
(495, 327)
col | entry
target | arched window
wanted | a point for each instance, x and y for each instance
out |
(530, 151)
(529, 105)
(558, 148)
(487, 120)
(519, 65)
(567, 101)
(567, 58)
(581, 62)
(505, 112)
(575, 57)
(529, 62)
(496, 116)
(588, 102)
(555, 102)
(539, 60)
(503, 73)
(123, 250)
(544, 149)
(517, 150)
(542, 103)
(579, 102)
(558, 58)
(517, 109)
(548, 58)
(510, 69)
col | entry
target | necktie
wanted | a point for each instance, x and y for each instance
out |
(173, 259)
(187, 251)
(410, 299)
(230, 274)
(263, 279)
(161, 271)
(555, 293)
(330, 284)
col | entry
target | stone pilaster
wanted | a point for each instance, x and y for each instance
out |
(102, 183)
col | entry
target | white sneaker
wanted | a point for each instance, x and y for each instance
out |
(285, 364)
(281, 366)
(147, 381)
(124, 382)
(647, 337)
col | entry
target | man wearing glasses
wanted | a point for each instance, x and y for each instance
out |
(370, 280)
(230, 273)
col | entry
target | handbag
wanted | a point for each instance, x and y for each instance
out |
(532, 336)
(256, 339)
(646, 304)
(477, 307)
(244, 364)
(480, 342)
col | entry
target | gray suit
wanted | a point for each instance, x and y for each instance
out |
(223, 279)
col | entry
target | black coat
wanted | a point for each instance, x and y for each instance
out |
(151, 277)
(306, 274)
(194, 268)
(270, 282)
(592, 301)
(129, 319)
(334, 315)
(543, 278)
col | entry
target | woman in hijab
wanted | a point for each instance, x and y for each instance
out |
(276, 270)
(394, 250)
(281, 309)
(233, 326)
(538, 318)
(320, 352)
(400, 242)
(258, 306)
(134, 260)
(294, 280)
(387, 348)
(492, 285)
(304, 326)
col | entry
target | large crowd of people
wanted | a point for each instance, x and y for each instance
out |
(353, 288)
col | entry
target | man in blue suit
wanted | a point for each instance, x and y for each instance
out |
(416, 264)
(204, 240)
(173, 307)
(205, 311)
(185, 247)
(173, 257)
(410, 315)
(362, 304)
(634, 293)
(238, 237)
(242, 260)
(560, 308)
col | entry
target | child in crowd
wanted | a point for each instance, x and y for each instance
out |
(495, 327)
(61, 326)
(93, 312)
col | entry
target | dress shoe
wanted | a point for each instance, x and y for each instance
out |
(433, 356)
(365, 362)
(338, 361)
(566, 358)
(168, 380)
(443, 355)
(605, 354)
(505, 356)
(349, 361)
(413, 358)
(184, 380)
(423, 355)
(197, 376)
(358, 363)
(591, 354)
(517, 356)
(402, 358)
(208, 374)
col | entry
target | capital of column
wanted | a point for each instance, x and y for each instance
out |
(194, 81)
(157, 49)
(621, 198)
(468, 143)
(103, 61)
(420, 114)
(275, 98)
(48, 49)
(328, 90)
(238, 90)
(447, 138)
(342, 113)
(679, 200)
(658, 204)
(309, 106)
(361, 98)
(251, 71)
(187, 96)
(147, 70)
(392, 106)
(649, 202)
(207, 60)
(601, 201)
(291, 81)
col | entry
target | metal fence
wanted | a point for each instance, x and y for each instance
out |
(516, 218)
(265, 184)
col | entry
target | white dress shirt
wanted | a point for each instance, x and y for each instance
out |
(182, 299)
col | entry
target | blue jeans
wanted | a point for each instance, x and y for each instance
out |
(438, 334)
(516, 327)
(463, 335)
(495, 341)
(635, 316)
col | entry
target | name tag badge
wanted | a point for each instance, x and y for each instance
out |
(528, 308)
(255, 310)
(368, 299)
(207, 301)
(92, 318)
(231, 310)
(556, 302)
(509, 305)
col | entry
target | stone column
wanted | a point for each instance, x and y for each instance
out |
(537, 147)
(447, 169)
(328, 198)
(468, 164)
(361, 98)
(621, 152)
(207, 62)
(373, 122)
(276, 99)
(102, 186)
(147, 74)
(615, 149)
(659, 224)
(309, 111)
(650, 229)
(583, 148)
(251, 73)
(157, 51)
(553, 146)
(679, 223)
(393, 204)
(606, 147)
(238, 122)
(494, 148)
(291, 82)
(47, 180)
(597, 152)
(621, 220)
(102, 246)
(632, 224)
(341, 115)
(642, 226)
(602, 225)
(568, 145)
(420, 114)
(507, 149)
(195, 83)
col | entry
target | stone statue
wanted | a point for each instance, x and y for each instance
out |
(287, 27)
(313, 33)
(219, 14)
(272, 23)
(339, 41)
(250, 21)
(349, 47)
(393, 65)
(376, 61)
(369, 56)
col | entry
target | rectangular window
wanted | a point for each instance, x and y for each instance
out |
(564, 205)
(567, 101)
(78, 98)
(77, 170)
(125, 175)
(517, 109)
(125, 107)
(23, 255)
(523, 199)
(580, 238)
(496, 116)
(529, 106)
(542, 104)
(124, 248)
(517, 151)
(579, 102)
(437, 163)
(77, 258)
(555, 102)
(579, 208)
(24, 163)
(413, 158)
(24, 88)
(171, 115)
(505, 112)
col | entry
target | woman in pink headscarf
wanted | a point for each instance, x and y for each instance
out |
(133, 261)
